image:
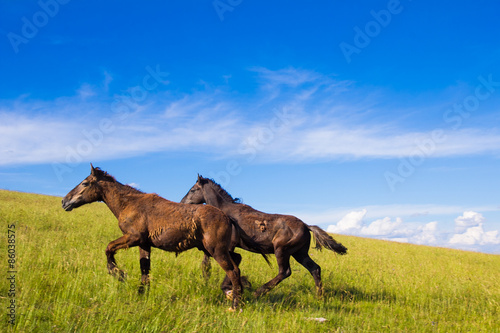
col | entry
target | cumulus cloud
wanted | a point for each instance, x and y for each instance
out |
(426, 234)
(349, 224)
(467, 220)
(382, 227)
(385, 228)
(470, 231)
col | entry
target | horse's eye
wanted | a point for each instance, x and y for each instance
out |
(85, 184)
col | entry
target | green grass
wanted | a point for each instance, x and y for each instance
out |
(62, 284)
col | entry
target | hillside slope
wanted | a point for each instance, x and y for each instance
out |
(61, 283)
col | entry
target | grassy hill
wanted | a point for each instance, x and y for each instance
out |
(62, 285)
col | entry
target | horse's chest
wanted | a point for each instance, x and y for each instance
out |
(131, 225)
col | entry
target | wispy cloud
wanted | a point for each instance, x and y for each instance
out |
(329, 119)
(92, 131)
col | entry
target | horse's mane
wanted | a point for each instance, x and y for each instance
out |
(222, 192)
(104, 175)
(107, 177)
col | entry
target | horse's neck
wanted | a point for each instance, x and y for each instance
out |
(212, 197)
(115, 196)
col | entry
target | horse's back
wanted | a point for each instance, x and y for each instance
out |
(269, 230)
(275, 221)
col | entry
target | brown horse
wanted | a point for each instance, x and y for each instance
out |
(148, 220)
(283, 235)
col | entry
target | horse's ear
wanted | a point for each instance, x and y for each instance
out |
(201, 180)
(92, 170)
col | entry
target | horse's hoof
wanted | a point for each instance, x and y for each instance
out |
(258, 293)
(231, 309)
(143, 289)
(118, 273)
(245, 283)
(122, 277)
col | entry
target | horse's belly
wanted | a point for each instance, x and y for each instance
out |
(173, 240)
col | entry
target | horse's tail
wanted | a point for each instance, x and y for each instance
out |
(249, 243)
(325, 240)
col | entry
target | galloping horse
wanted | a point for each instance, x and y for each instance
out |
(283, 235)
(148, 220)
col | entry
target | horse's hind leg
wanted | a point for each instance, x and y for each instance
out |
(283, 259)
(226, 285)
(302, 257)
(145, 261)
(223, 258)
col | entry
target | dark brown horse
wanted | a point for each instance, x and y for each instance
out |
(283, 235)
(148, 220)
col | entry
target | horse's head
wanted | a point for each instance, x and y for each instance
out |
(196, 194)
(86, 192)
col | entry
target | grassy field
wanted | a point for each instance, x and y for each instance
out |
(62, 285)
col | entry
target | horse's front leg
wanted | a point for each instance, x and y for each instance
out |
(145, 261)
(121, 243)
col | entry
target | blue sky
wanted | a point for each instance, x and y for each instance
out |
(377, 119)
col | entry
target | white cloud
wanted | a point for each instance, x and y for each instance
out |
(387, 223)
(468, 219)
(328, 121)
(26, 140)
(382, 227)
(351, 223)
(73, 136)
(337, 141)
(374, 212)
(287, 77)
(470, 235)
(134, 185)
(426, 234)
(86, 91)
(470, 231)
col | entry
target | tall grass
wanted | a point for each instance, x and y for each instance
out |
(62, 284)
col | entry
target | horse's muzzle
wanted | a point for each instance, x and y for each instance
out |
(66, 205)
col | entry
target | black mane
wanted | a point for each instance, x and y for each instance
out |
(222, 192)
(104, 175)
(109, 178)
